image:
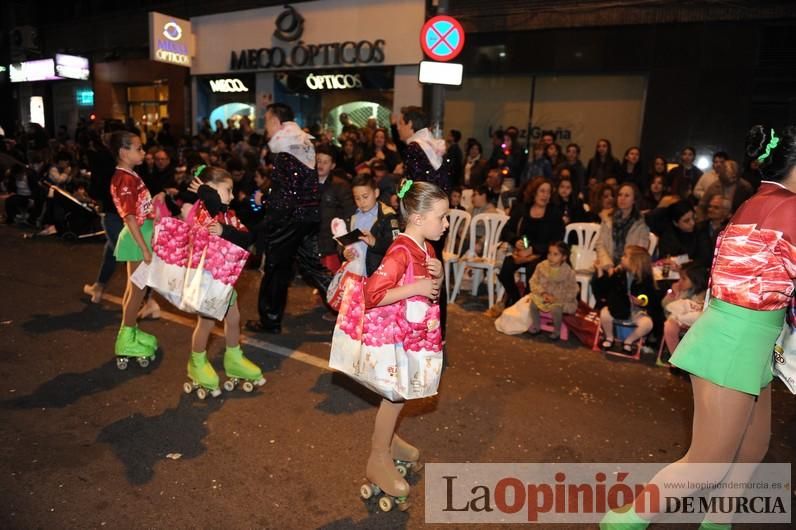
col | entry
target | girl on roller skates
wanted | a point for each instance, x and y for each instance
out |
(424, 208)
(134, 205)
(215, 196)
(728, 350)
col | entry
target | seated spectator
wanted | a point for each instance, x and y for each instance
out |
(601, 204)
(456, 199)
(682, 305)
(678, 236)
(497, 191)
(386, 182)
(475, 167)
(710, 176)
(380, 149)
(529, 234)
(708, 230)
(554, 289)
(683, 177)
(538, 164)
(624, 227)
(350, 157)
(729, 185)
(569, 206)
(20, 185)
(622, 288)
(654, 195)
(553, 153)
(632, 169)
(603, 165)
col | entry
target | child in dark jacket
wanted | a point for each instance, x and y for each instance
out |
(377, 222)
(628, 290)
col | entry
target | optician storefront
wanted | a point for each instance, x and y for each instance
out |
(322, 58)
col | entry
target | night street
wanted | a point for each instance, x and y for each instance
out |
(84, 445)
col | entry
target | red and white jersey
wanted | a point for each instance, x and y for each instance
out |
(755, 258)
(131, 196)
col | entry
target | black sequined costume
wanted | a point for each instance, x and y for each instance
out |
(290, 233)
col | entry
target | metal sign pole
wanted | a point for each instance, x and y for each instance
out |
(438, 91)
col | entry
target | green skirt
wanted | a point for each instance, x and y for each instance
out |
(731, 346)
(126, 247)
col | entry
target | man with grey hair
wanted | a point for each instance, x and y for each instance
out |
(707, 231)
(729, 185)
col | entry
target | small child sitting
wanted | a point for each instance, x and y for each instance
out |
(628, 290)
(682, 305)
(554, 289)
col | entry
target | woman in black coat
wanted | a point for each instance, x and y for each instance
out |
(538, 224)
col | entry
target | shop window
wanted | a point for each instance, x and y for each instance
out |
(233, 111)
(359, 112)
(148, 104)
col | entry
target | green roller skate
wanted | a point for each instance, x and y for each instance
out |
(203, 378)
(147, 339)
(238, 368)
(128, 348)
(624, 518)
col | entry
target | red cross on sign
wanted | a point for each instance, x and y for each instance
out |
(442, 38)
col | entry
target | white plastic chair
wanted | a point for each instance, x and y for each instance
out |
(653, 243)
(459, 222)
(486, 262)
(583, 259)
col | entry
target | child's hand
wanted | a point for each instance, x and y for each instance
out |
(368, 238)
(194, 185)
(434, 267)
(214, 228)
(258, 197)
(147, 257)
(350, 254)
(426, 287)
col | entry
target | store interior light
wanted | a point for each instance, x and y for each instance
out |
(502, 54)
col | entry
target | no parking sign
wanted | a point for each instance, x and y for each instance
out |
(442, 38)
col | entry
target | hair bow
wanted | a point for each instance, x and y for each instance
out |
(407, 184)
(772, 144)
(198, 170)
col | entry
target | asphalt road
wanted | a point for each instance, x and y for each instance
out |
(84, 445)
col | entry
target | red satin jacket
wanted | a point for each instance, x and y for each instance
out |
(394, 266)
(754, 265)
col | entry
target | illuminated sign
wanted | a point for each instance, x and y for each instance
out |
(37, 109)
(41, 70)
(170, 39)
(84, 97)
(289, 28)
(333, 81)
(228, 85)
(71, 66)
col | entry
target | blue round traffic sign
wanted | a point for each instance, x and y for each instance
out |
(442, 38)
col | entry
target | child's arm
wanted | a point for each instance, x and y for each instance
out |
(382, 287)
(135, 231)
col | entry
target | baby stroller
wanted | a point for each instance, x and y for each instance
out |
(73, 219)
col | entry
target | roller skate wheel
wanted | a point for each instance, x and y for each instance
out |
(402, 470)
(187, 388)
(260, 382)
(201, 393)
(121, 363)
(216, 392)
(229, 386)
(385, 504)
(247, 386)
(143, 362)
(366, 492)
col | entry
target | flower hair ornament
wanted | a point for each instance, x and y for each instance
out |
(407, 184)
(772, 144)
(198, 170)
